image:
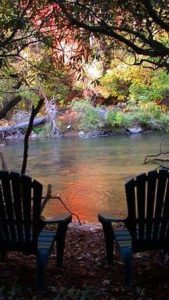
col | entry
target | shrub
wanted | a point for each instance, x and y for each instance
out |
(88, 115)
(144, 113)
(164, 122)
(117, 119)
(150, 89)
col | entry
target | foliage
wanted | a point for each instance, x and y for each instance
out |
(136, 84)
(154, 87)
(115, 83)
(68, 45)
(118, 79)
(68, 120)
(149, 115)
(164, 122)
(138, 27)
(88, 115)
(44, 131)
(41, 47)
(17, 31)
(39, 71)
(27, 53)
(117, 119)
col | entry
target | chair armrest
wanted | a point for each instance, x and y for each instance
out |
(64, 218)
(106, 217)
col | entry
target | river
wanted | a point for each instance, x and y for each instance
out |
(89, 174)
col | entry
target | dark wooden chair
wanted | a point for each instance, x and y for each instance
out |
(21, 226)
(147, 224)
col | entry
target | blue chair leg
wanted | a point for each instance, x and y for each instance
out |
(42, 260)
(127, 258)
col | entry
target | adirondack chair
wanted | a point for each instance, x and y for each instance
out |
(21, 226)
(146, 227)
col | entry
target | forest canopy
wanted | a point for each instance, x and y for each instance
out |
(65, 47)
(139, 27)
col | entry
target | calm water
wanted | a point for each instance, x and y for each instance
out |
(89, 174)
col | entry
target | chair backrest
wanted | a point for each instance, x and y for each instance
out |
(20, 206)
(148, 207)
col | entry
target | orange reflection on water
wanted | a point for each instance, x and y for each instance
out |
(88, 193)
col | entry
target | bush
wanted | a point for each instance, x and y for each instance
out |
(164, 122)
(145, 113)
(118, 119)
(156, 87)
(88, 115)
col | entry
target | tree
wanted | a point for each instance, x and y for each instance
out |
(28, 34)
(139, 27)
(16, 33)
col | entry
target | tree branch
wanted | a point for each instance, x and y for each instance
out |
(138, 30)
(28, 132)
(154, 15)
(9, 105)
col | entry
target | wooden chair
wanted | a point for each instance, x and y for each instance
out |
(21, 226)
(147, 224)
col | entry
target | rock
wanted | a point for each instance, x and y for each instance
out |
(135, 129)
(81, 133)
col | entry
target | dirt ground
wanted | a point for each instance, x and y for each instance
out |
(86, 275)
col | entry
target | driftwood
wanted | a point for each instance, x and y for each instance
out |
(13, 129)
(52, 111)
(161, 159)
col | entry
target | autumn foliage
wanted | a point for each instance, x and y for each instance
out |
(67, 49)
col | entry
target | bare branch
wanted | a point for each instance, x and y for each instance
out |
(28, 132)
(9, 105)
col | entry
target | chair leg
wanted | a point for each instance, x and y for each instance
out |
(60, 244)
(127, 268)
(109, 241)
(42, 260)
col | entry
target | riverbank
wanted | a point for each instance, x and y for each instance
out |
(84, 120)
(86, 275)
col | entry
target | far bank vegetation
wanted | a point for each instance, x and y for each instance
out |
(125, 97)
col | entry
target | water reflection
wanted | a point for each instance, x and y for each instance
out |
(89, 174)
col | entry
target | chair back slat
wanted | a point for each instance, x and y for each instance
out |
(8, 204)
(165, 227)
(130, 195)
(151, 194)
(37, 196)
(20, 207)
(148, 196)
(160, 195)
(159, 203)
(140, 203)
(16, 186)
(4, 235)
(26, 184)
